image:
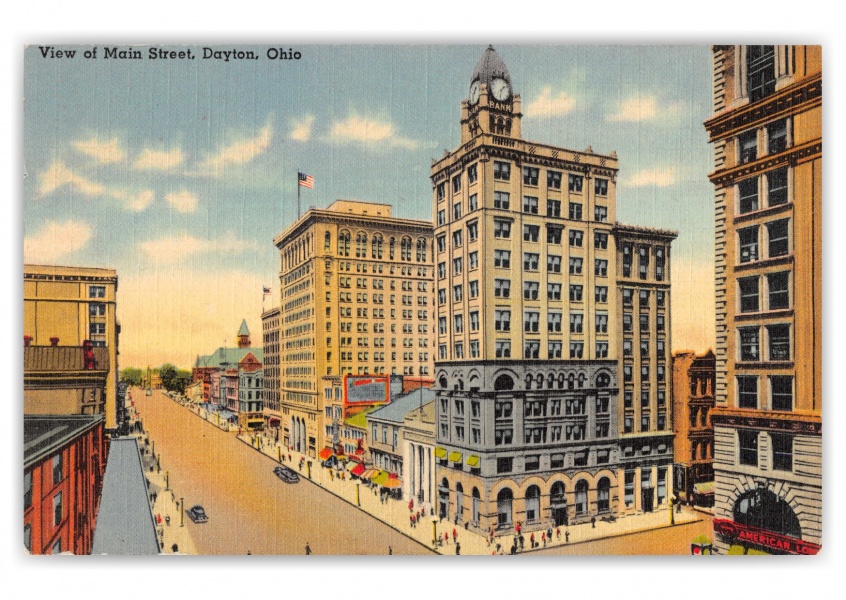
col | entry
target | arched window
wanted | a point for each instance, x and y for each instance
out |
(405, 249)
(459, 500)
(327, 242)
(550, 381)
(476, 502)
(561, 381)
(503, 507)
(557, 494)
(603, 380)
(603, 495)
(503, 383)
(344, 243)
(539, 381)
(391, 246)
(443, 499)
(533, 504)
(421, 250)
(442, 381)
(376, 247)
(571, 381)
(763, 509)
(581, 380)
(528, 381)
(361, 245)
(581, 497)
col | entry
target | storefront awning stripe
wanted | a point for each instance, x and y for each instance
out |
(455, 457)
(473, 460)
(706, 487)
(325, 453)
(440, 452)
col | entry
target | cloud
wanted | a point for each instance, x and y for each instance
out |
(138, 201)
(59, 175)
(301, 131)
(158, 160)
(184, 201)
(172, 249)
(56, 240)
(104, 152)
(186, 320)
(237, 153)
(645, 108)
(546, 105)
(366, 130)
(659, 177)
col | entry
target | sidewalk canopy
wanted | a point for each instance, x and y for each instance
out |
(358, 470)
(704, 488)
(440, 452)
(473, 461)
(325, 453)
(380, 478)
(369, 473)
(392, 483)
(455, 457)
(228, 416)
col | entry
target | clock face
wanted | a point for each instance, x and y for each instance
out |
(500, 89)
(475, 90)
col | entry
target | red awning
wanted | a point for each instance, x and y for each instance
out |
(392, 476)
(359, 469)
(325, 453)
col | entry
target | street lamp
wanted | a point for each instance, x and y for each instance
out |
(182, 511)
(435, 531)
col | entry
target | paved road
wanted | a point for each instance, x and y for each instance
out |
(249, 508)
(670, 540)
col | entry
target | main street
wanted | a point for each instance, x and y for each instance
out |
(249, 508)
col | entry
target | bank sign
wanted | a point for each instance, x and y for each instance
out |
(366, 389)
(763, 538)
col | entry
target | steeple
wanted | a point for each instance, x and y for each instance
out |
(244, 335)
(489, 67)
(491, 105)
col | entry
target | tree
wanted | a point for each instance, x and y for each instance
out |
(132, 376)
(168, 375)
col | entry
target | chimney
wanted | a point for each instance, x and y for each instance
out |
(54, 341)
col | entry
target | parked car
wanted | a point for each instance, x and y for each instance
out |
(286, 474)
(197, 514)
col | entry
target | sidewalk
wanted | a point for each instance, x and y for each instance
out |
(395, 513)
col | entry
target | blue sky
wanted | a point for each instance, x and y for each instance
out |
(179, 173)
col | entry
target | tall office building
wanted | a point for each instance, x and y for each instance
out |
(65, 306)
(270, 343)
(356, 299)
(530, 311)
(767, 136)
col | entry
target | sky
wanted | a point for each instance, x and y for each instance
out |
(178, 173)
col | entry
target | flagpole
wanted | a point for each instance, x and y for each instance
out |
(298, 194)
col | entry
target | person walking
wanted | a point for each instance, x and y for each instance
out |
(543, 539)
(457, 549)
(307, 549)
(532, 540)
(567, 536)
(549, 534)
(454, 535)
(558, 533)
(593, 522)
(446, 538)
(390, 551)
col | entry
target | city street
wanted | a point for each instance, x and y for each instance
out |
(248, 507)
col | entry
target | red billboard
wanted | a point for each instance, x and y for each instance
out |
(763, 538)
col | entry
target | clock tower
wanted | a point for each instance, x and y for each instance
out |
(491, 106)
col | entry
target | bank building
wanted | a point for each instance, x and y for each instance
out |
(553, 329)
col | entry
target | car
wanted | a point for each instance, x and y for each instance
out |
(197, 514)
(286, 474)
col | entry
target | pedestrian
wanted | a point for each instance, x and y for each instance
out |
(331, 475)
(520, 541)
(567, 536)
(446, 538)
(307, 549)
(543, 539)
(558, 533)
(457, 549)
(532, 540)
(454, 535)
(390, 551)
(167, 520)
(248, 551)
(498, 547)
(593, 522)
(159, 519)
(549, 534)
(411, 505)
(411, 521)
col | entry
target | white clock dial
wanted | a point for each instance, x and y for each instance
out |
(500, 89)
(475, 90)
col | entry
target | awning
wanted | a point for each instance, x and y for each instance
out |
(391, 483)
(369, 473)
(455, 457)
(472, 461)
(273, 421)
(440, 452)
(325, 453)
(358, 470)
(380, 478)
(704, 488)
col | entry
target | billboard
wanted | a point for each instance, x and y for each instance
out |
(367, 389)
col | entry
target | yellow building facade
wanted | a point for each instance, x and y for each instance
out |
(356, 298)
(767, 137)
(69, 305)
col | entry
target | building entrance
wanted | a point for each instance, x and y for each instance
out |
(559, 516)
(647, 496)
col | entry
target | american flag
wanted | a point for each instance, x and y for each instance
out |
(306, 180)
(266, 291)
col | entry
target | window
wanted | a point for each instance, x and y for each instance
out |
(456, 211)
(553, 291)
(748, 244)
(502, 320)
(600, 240)
(502, 200)
(777, 187)
(502, 229)
(28, 537)
(627, 347)
(531, 322)
(577, 349)
(457, 264)
(57, 469)
(601, 322)
(553, 235)
(643, 261)
(57, 509)
(747, 391)
(502, 259)
(602, 430)
(749, 343)
(502, 288)
(441, 270)
(600, 186)
(659, 298)
(781, 392)
(748, 145)
(472, 173)
(628, 424)
(531, 233)
(474, 288)
(748, 446)
(473, 231)
(96, 328)
(532, 464)
(777, 137)
(530, 176)
(457, 293)
(600, 293)
(473, 202)
(456, 239)
(553, 263)
(778, 242)
(503, 349)
(502, 170)
(27, 489)
(760, 71)
(441, 243)
(627, 321)
(474, 321)
(554, 349)
(748, 195)
(601, 349)
(553, 180)
(644, 322)
(473, 260)
(441, 296)
(629, 488)
(440, 191)
(96, 309)
(600, 267)
(96, 291)
(553, 208)
(553, 322)
(459, 323)
(456, 184)
(530, 261)
(576, 320)
(779, 295)
(782, 451)
(504, 464)
(576, 238)
(575, 265)
(575, 293)
(530, 290)
(459, 350)
(643, 298)
(575, 211)
(600, 213)
(575, 183)
(748, 294)
(779, 342)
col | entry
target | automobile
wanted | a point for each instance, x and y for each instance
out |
(286, 474)
(197, 514)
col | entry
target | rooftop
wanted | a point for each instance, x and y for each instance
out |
(44, 434)
(359, 419)
(396, 411)
(62, 358)
(55, 270)
(232, 356)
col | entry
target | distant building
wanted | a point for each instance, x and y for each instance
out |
(356, 298)
(64, 458)
(270, 343)
(767, 137)
(693, 403)
(65, 306)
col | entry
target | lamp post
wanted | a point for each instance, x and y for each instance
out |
(435, 532)
(672, 511)
(357, 495)
(167, 481)
(182, 512)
